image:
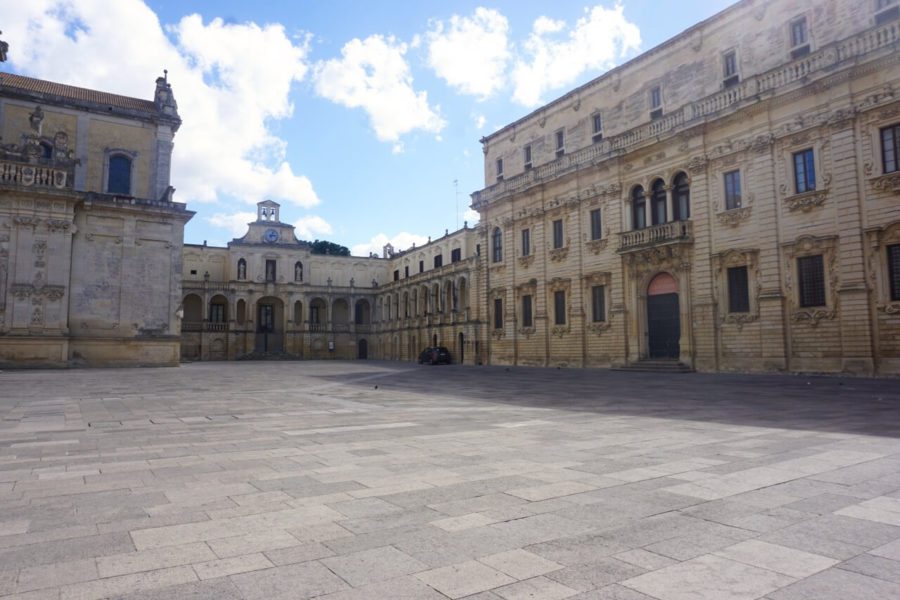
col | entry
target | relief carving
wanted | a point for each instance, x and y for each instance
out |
(734, 216)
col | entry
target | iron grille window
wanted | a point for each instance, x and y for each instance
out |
(526, 311)
(557, 234)
(804, 171)
(738, 290)
(559, 307)
(498, 313)
(890, 148)
(596, 225)
(893, 253)
(732, 190)
(598, 303)
(811, 280)
(526, 242)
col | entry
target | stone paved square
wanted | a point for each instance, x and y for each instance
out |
(353, 480)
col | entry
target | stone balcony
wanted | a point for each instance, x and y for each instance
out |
(672, 232)
(35, 175)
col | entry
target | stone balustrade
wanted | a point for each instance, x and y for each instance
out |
(29, 175)
(673, 231)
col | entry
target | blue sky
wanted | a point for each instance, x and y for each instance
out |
(361, 119)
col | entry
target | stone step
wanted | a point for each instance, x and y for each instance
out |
(655, 366)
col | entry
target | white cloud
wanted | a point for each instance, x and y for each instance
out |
(401, 241)
(227, 84)
(310, 227)
(480, 121)
(471, 53)
(597, 39)
(236, 223)
(374, 75)
(471, 216)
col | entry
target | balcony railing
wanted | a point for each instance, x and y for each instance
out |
(30, 175)
(657, 235)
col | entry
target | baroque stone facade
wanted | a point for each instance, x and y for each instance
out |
(728, 200)
(90, 239)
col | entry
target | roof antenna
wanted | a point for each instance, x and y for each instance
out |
(166, 75)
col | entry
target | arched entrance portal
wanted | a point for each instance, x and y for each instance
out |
(663, 321)
(269, 325)
(363, 349)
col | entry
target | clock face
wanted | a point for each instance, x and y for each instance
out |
(271, 235)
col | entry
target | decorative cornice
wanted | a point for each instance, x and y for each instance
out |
(734, 216)
(525, 261)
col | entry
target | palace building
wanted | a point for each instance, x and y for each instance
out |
(726, 201)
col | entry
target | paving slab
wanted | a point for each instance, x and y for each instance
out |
(251, 480)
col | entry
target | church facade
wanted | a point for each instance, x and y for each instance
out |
(90, 237)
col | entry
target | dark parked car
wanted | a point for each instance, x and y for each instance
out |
(434, 355)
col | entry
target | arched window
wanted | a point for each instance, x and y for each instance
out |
(119, 175)
(242, 269)
(681, 202)
(497, 242)
(298, 271)
(638, 208)
(46, 150)
(658, 202)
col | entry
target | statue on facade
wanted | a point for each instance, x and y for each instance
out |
(4, 48)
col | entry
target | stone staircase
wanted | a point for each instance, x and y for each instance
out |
(258, 355)
(655, 365)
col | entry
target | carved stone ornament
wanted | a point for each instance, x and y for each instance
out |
(812, 316)
(526, 332)
(601, 326)
(805, 202)
(498, 334)
(526, 261)
(891, 308)
(887, 183)
(560, 331)
(698, 164)
(740, 319)
(559, 254)
(596, 246)
(734, 216)
(558, 284)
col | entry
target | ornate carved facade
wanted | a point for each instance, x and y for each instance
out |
(90, 240)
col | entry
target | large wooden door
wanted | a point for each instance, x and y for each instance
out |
(663, 326)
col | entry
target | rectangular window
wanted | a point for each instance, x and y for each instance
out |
(216, 313)
(557, 234)
(270, 270)
(729, 64)
(527, 153)
(397, 275)
(804, 171)
(314, 315)
(498, 313)
(598, 303)
(598, 127)
(526, 311)
(732, 190)
(886, 10)
(438, 261)
(811, 280)
(893, 254)
(799, 38)
(890, 148)
(406, 271)
(596, 225)
(421, 266)
(738, 290)
(560, 142)
(559, 307)
(656, 103)
(499, 169)
(526, 242)
(455, 255)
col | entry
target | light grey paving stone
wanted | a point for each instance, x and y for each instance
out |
(890, 550)
(644, 559)
(874, 566)
(613, 592)
(371, 566)
(115, 586)
(464, 579)
(55, 575)
(257, 541)
(155, 558)
(298, 554)
(305, 580)
(595, 574)
(538, 588)
(66, 550)
(213, 589)
(780, 559)
(838, 583)
(402, 588)
(520, 564)
(881, 510)
(365, 507)
(709, 578)
(230, 566)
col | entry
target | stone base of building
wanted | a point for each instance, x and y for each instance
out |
(61, 352)
(29, 352)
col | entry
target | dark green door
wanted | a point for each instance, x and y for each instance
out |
(663, 326)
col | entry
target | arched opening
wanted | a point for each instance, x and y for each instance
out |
(242, 269)
(193, 312)
(298, 272)
(218, 310)
(340, 315)
(362, 349)
(298, 312)
(463, 294)
(681, 201)
(406, 305)
(497, 245)
(363, 313)
(269, 325)
(663, 320)
(317, 315)
(241, 312)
